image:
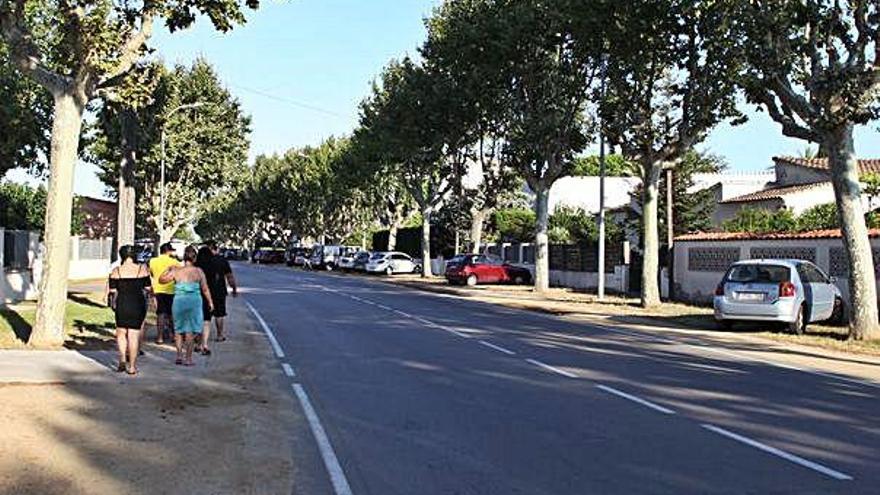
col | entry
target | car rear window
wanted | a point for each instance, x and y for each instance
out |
(754, 273)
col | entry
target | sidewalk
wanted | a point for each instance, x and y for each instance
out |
(71, 425)
(678, 323)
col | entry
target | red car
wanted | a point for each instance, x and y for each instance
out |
(473, 269)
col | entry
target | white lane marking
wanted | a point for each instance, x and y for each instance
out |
(401, 313)
(638, 400)
(382, 306)
(331, 462)
(497, 348)
(551, 368)
(738, 355)
(267, 330)
(288, 370)
(780, 453)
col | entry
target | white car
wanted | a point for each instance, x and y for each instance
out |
(393, 262)
(794, 292)
(346, 262)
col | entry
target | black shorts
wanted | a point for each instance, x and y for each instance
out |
(219, 305)
(164, 303)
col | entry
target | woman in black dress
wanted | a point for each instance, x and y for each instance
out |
(204, 258)
(129, 283)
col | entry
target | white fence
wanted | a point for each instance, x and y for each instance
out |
(701, 260)
(22, 264)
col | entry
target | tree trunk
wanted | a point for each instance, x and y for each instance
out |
(426, 242)
(650, 258)
(125, 217)
(392, 236)
(66, 126)
(542, 248)
(478, 219)
(847, 192)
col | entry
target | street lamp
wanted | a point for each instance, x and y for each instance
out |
(162, 166)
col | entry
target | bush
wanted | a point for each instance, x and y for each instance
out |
(761, 221)
(819, 217)
(515, 224)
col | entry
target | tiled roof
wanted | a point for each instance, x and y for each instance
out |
(775, 193)
(866, 166)
(751, 236)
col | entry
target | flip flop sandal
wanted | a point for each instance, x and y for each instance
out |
(206, 352)
(178, 361)
(189, 364)
(220, 339)
(120, 367)
(132, 372)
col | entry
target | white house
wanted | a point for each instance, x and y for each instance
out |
(583, 192)
(800, 183)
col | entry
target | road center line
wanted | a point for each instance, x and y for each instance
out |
(637, 400)
(402, 313)
(779, 453)
(288, 370)
(331, 462)
(382, 306)
(275, 346)
(497, 348)
(551, 368)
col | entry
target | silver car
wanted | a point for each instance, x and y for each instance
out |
(392, 262)
(794, 292)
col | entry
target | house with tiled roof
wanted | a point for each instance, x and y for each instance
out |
(800, 184)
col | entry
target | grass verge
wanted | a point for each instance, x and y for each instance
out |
(89, 323)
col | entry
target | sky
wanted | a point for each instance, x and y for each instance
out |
(301, 67)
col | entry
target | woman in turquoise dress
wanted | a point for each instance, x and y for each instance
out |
(190, 287)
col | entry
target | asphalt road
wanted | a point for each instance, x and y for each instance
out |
(416, 393)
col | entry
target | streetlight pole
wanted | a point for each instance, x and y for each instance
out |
(601, 257)
(162, 166)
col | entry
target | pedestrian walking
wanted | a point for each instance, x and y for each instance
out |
(163, 293)
(190, 289)
(204, 260)
(128, 287)
(220, 279)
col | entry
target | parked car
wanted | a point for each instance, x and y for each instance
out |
(793, 292)
(392, 262)
(327, 257)
(360, 261)
(269, 256)
(346, 261)
(473, 269)
(296, 256)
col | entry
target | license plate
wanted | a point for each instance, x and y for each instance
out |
(750, 296)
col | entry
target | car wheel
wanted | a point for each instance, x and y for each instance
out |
(389, 271)
(472, 280)
(519, 280)
(726, 325)
(417, 269)
(838, 316)
(799, 325)
(329, 267)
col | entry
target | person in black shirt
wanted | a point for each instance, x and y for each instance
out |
(219, 278)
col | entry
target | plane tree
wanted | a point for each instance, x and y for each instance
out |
(814, 67)
(413, 132)
(518, 61)
(670, 78)
(76, 50)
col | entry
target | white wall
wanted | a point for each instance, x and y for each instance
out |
(699, 286)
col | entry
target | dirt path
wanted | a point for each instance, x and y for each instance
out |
(219, 427)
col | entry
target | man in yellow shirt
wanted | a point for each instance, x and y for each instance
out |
(164, 293)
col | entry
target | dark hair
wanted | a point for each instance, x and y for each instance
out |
(127, 252)
(166, 248)
(189, 254)
(204, 257)
(212, 245)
